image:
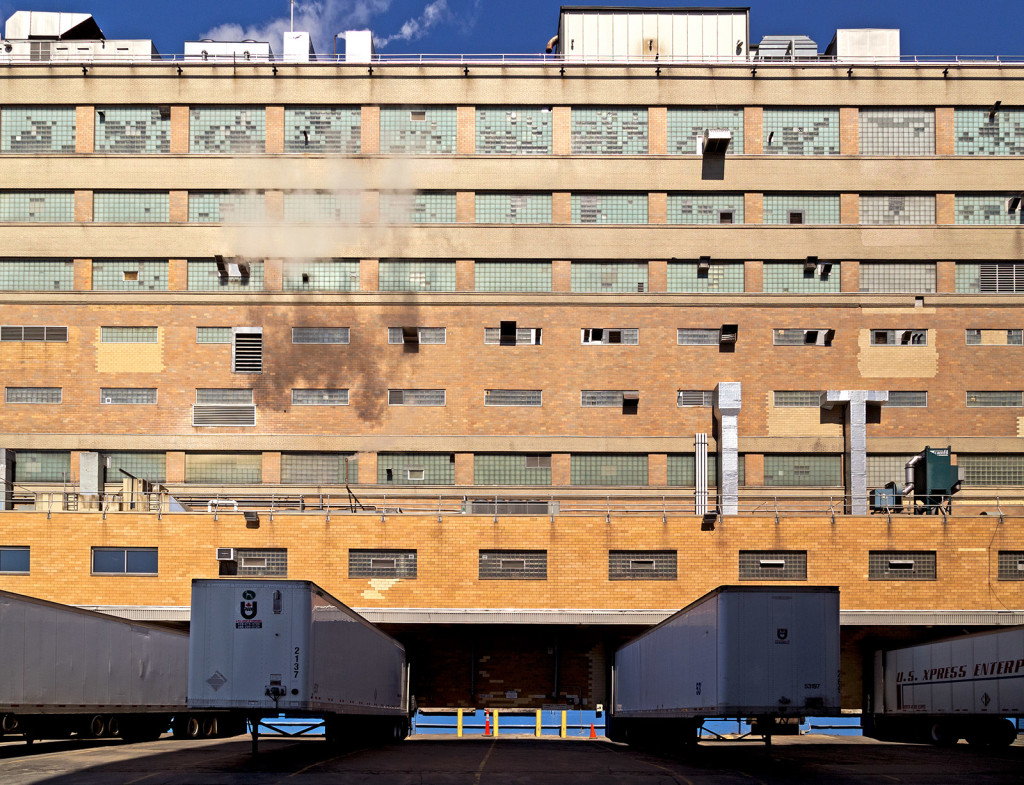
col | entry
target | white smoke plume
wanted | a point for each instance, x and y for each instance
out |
(433, 13)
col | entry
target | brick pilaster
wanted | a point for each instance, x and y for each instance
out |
(369, 273)
(465, 130)
(657, 208)
(561, 468)
(945, 209)
(176, 467)
(179, 130)
(561, 207)
(177, 275)
(849, 130)
(273, 205)
(945, 133)
(85, 129)
(561, 130)
(561, 275)
(753, 130)
(657, 275)
(83, 275)
(753, 469)
(271, 468)
(657, 130)
(849, 279)
(753, 208)
(369, 207)
(657, 467)
(464, 276)
(178, 206)
(945, 277)
(273, 276)
(849, 209)
(465, 207)
(367, 468)
(463, 468)
(275, 130)
(83, 206)
(370, 134)
(753, 276)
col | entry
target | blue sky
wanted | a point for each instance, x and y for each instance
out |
(932, 27)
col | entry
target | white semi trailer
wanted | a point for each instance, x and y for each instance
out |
(261, 646)
(958, 688)
(762, 652)
(66, 671)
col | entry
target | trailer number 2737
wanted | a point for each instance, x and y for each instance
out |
(295, 670)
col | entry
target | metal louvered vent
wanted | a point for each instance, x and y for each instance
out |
(205, 415)
(1001, 277)
(247, 350)
(511, 507)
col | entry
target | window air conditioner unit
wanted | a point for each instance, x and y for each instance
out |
(901, 564)
(1013, 204)
(772, 564)
(716, 141)
(507, 334)
(227, 554)
(411, 335)
(630, 402)
(729, 333)
(704, 265)
(811, 266)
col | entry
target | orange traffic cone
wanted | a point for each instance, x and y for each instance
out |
(487, 723)
(593, 734)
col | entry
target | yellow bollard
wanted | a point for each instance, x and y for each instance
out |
(495, 722)
(562, 732)
(537, 732)
(458, 731)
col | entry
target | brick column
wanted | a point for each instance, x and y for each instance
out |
(85, 129)
(753, 469)
(753, 130)
(369, 207)
(179, 207)
(83, 275)
(177, 275)
(465, 278)
(273, 276)
(369, 274)
(657, 130)
(179, 130)
(75, 457)
(657, 275)
(465, 207)
(367, 468)
(271, 468)
(561, 275)
(273, 205)
(176, 467)
(561, 207)
(465, 130)
(849, 130)
(83, 206)
(849, 209)
(370, 138)
(945, 209)
(463, 468)
(560, 468)
(561, 130)
(849, 278)
(753, 276)
(945, 133)
(657, 469)
(945, 277)
(657, 208)
(275, 130)
(753, 208)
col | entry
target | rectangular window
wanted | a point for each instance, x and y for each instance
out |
(320, 335)
(896, 210)
(224, 468)
(897, 277)
(698, 336)
(320, 275)
(332, 397)
(425, 335)
(883, 469)
(1011, 565)
(990, 469)
(686, 127)
(130, 275)
(613, 277)
(127, 395)
(416, 468)
(908, 398)
(512, 276)
(513, 130)
(229, 396)
(319, 468)
(14, 560)
(150, 466)
(525, 336)
(224, 407)
(227, 130)
(512, 397)
(642, 565)
(34, 395)
(403, 275)
(213, 275)
(689, 208)
(322, 207)
(808, 131)
(37, 206)
(42, 466)
(608, 469)
(416, 397)
(129, 334)
(38, 129)
(705, 276)
(899, 337)
(365, 563)
(37, 275)
(513, 208)
(323, 129)
(34, 334)
(773, 565)
(213, 335)
(514, 565)
(604, 398)
(979, 132)
(682, 470)
(804, 399)
(988, 209)
(807, 470)
(801, 208)
(124, 561)
(897, 131)
(262, 562)
(230, 207)
(790, 336)
(609, 208)
(993, 398)
(133, 130)
(901, 566)
(428, 131)
(131, 207)
(423, 207)
(511, 469)
(806, 277)
(604, 336)
(609, 131)
(247, 350)
(695, 398)
(978, 337)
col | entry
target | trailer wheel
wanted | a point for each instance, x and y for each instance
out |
(193, 729)
(9, 724)
(96, 727)
(113, 728)
(1003, 733)
(941, 734)
(209, 727)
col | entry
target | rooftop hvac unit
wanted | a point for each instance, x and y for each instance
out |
(227, 554)
(933, 479)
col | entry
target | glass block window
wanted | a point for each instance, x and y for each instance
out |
(320, 397)
(993, 398)
(1011, 565)
(609, 208)
(131, 207)
(130, 275)
(609, 277)
(992, 469)
(976, 337)
(227, 396)
(513, 208)
(319, 468)
(642, 565)
(511, 469)
(38, 466)
(884, 469)
(14, 560)
(422, 468)
(608, 336)
(427, 335)
(603, 398)
(407, 275)
(34, 395)
(265, 562)
(901, 566)
(986, 209)
(37, 129)
(682, 470)
(416, 397)
(33, 333)
(773, 565)
(426, 207)
(705, 208)
(320, 335)
(224, 468)
(405, 131)
(37, 206)
(795, 278)
(720, 277)
(978, 132)
(322, 207)
(897, 131)
(609, 131)
(227, 130)
(512, 276)
(127, 396)
(990, 278)
(129, 334)
(321, 275)
(365, 563)
(213, 335)
(686, 126)
(896, 210)
(810, 131)
(513, 397)
(203, 276)
(607, 469)
(801, 399)
(803, 470)
(514, 565)
(907, 398)
(37, 275)
(150, 466)
(513, 130)
(790, 336)
(698, 336)
(688, 398)
(525, 336)
(891, 277)
(323, 129)
(226, 207)
(124, 561)
(801, 208)
(133, 130)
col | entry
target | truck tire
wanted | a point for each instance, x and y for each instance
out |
(209, 729)
(113, 728)
(942, 734)
(1004, 733)
(95, 728)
